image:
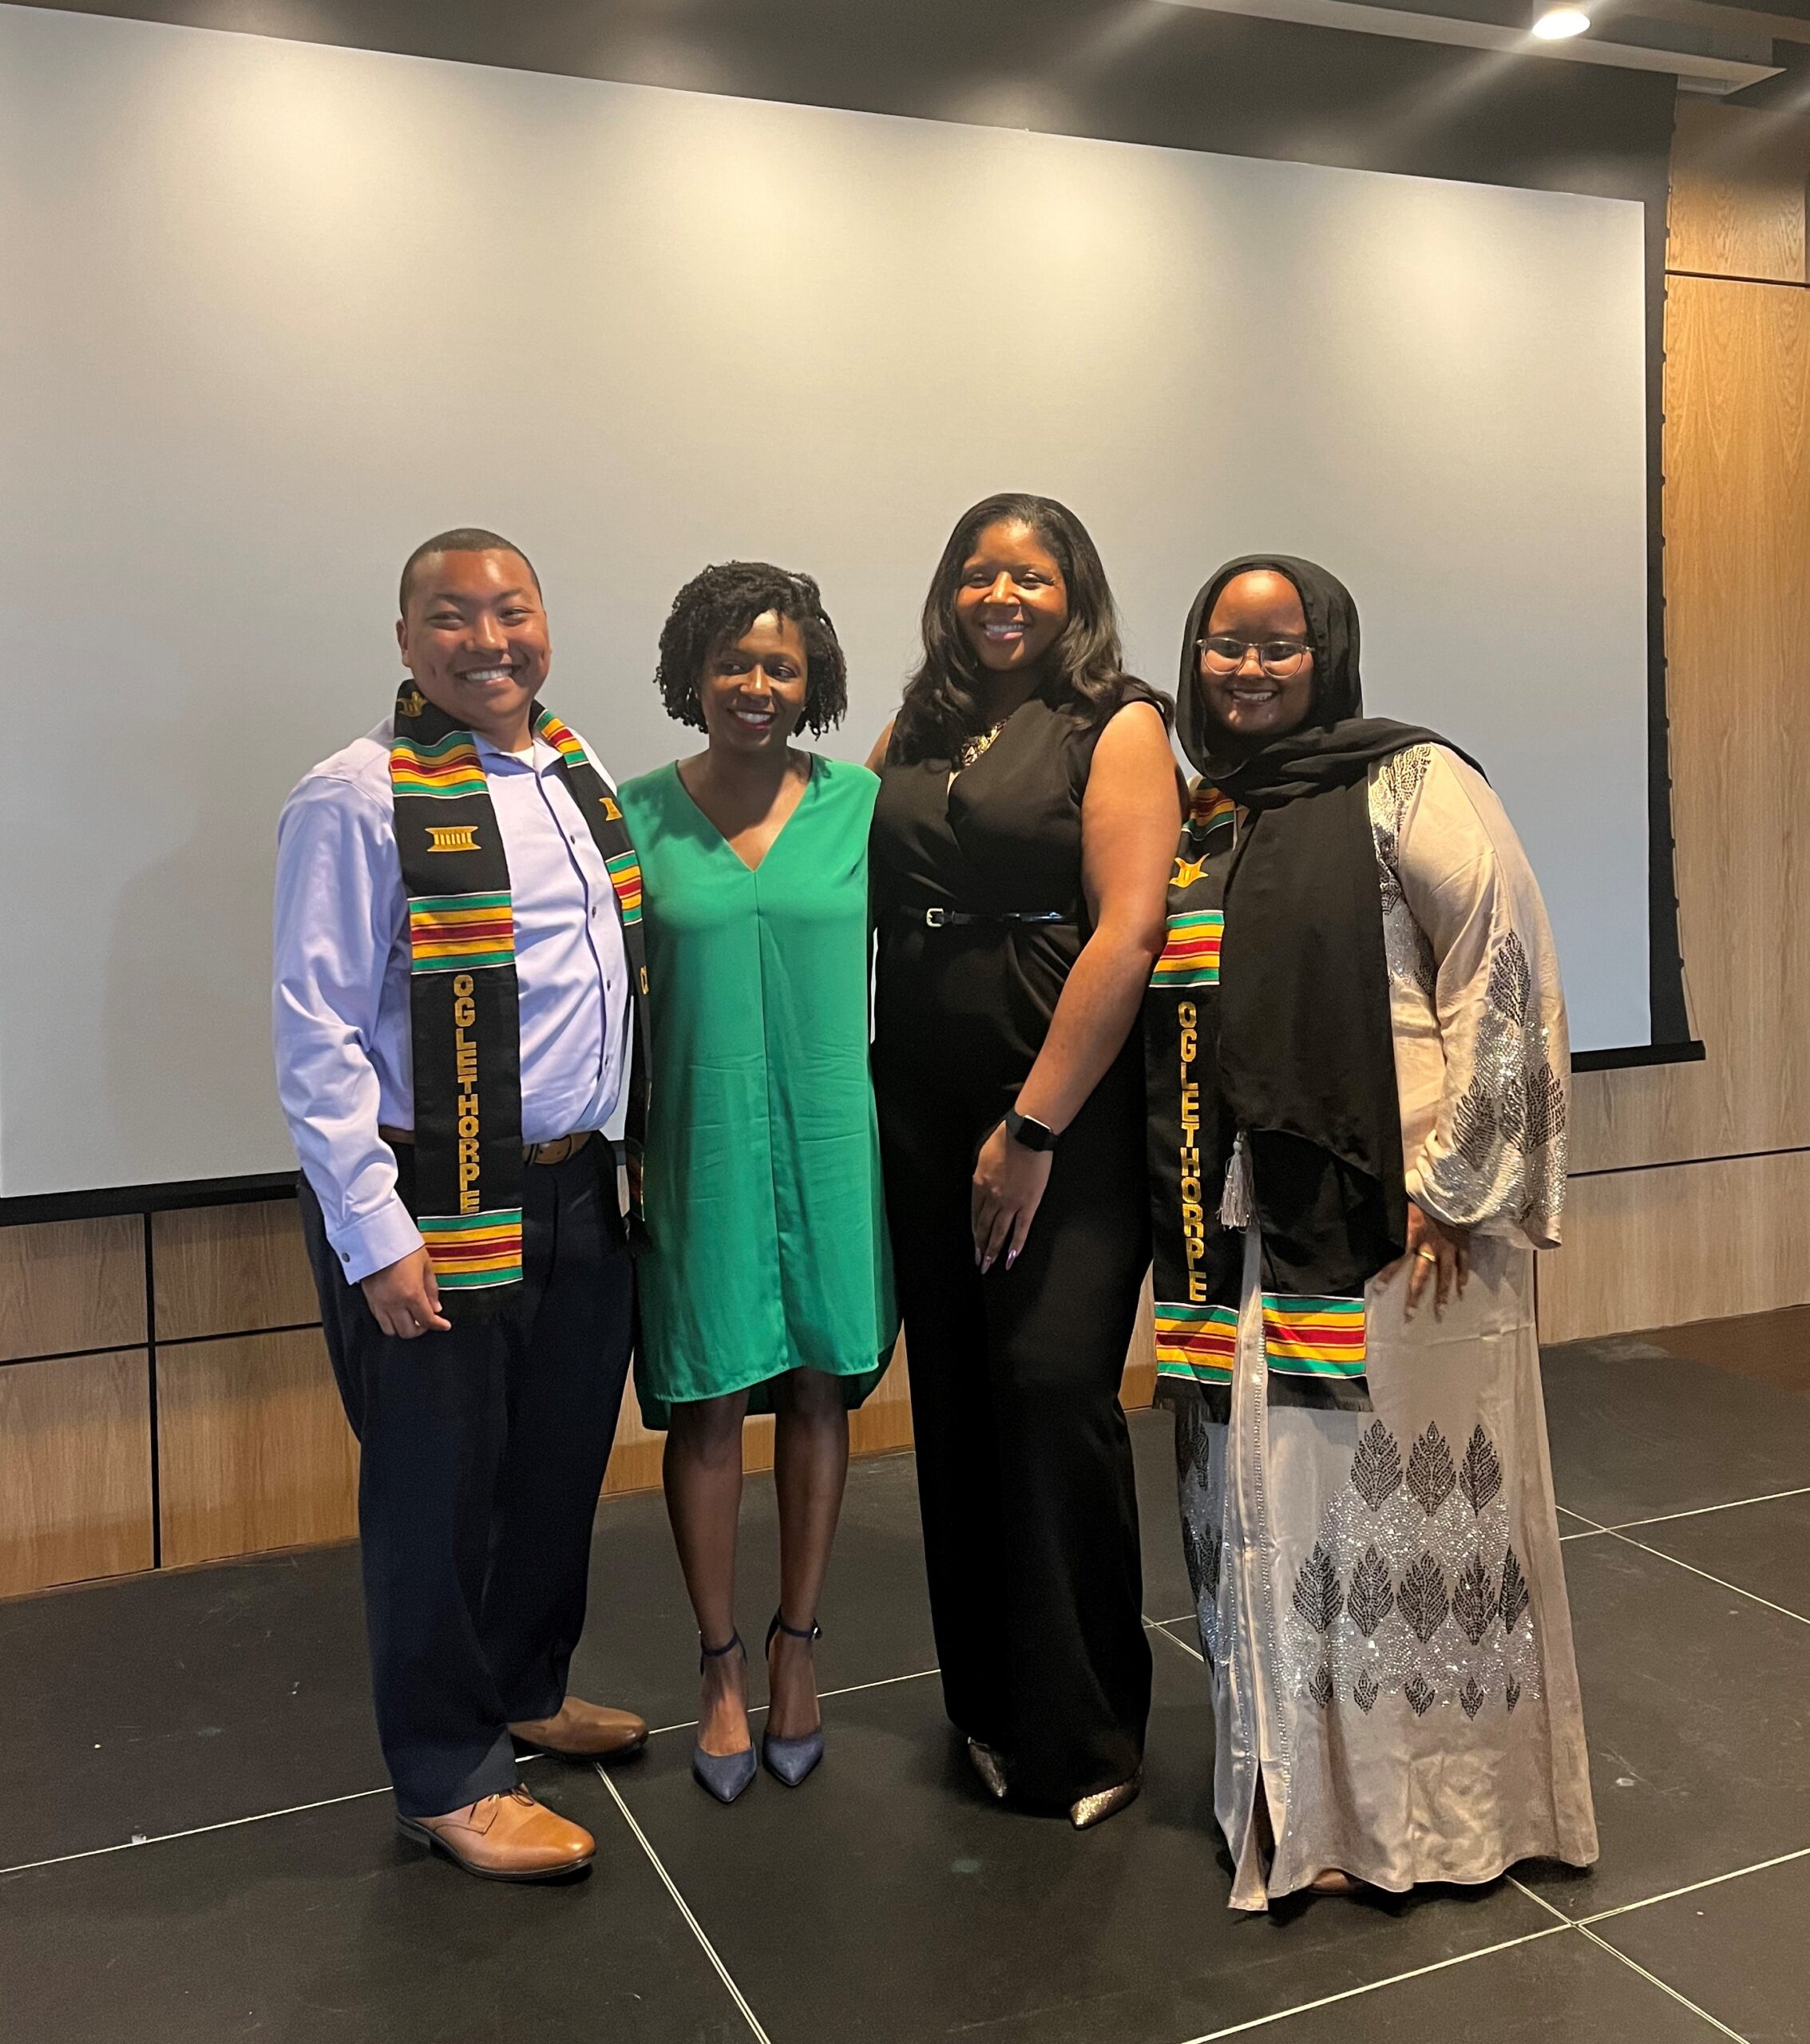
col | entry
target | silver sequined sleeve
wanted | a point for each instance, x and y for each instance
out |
(1481, 1055)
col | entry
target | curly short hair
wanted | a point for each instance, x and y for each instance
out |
(714, 608)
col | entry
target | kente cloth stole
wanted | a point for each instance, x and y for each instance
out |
(465, 1019)
(1198, 1262)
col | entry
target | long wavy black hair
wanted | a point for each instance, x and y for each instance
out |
(1087, 665)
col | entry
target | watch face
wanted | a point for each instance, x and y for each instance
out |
(1033, 1134)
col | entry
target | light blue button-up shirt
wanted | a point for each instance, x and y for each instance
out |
(341, 993)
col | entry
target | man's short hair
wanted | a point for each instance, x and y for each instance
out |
(460, 539)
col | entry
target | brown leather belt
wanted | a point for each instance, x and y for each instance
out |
(556, 1152)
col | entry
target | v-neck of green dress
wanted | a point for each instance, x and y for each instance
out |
(763, 1171)
(811, 776)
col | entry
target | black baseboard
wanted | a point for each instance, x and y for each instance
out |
(103, 1201)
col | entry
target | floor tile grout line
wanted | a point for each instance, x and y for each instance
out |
(1552, 1908)
(1173, 1641)
(684, 1909)
(1753, 1596)
(1691, 1888)
(1665, 1987)
(853, 1689)
(195, 1830)
(1698, 1511)
(1374, 1986)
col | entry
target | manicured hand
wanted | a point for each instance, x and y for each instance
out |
(1435, 1249)
(1008, 1187)
(404, 1298)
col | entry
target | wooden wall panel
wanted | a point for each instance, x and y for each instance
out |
(1696, 1241)
(1646, 1248)
(231, 1270)
(1737, 192)
(68, 1284)
(75, 1470)
(254, 1448)
(1737, 580)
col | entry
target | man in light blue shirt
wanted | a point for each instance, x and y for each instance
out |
(483, 1426)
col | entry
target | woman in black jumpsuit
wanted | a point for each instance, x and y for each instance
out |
(1021, 844)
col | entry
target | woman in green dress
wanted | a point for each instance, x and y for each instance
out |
(769, 1286)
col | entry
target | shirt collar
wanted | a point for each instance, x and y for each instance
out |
(494, 760)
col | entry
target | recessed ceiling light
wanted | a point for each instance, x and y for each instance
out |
(1557, 23)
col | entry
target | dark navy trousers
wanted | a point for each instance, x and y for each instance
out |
(482, 1453)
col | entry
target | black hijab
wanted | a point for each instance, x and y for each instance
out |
(1305, 1052)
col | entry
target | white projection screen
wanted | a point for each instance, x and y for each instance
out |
(274, 312)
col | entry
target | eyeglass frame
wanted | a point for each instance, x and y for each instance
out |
(1300, 651)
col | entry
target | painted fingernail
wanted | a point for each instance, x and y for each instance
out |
(1010, 1258)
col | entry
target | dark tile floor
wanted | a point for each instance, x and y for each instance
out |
(195, 1842)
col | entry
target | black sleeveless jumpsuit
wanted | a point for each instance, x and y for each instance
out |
(1023, 1461)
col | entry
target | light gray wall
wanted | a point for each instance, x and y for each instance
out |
(274, 312)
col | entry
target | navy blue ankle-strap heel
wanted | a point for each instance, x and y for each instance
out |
(724, 1775)
(789, 1760)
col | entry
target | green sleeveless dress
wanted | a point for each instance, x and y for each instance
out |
(762, 1191)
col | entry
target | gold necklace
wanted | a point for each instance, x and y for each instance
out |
(971, 748)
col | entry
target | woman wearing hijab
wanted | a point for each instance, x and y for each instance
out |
(1358, 1062)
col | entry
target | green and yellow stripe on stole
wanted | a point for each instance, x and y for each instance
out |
(1313, 1336)
(1190, 951)
(1200, 1343)
(562, 738)
(448, 767)
(625, 877)
(1208, 808)
(460, 933)
(471, 1252)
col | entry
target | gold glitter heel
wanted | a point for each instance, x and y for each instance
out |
(1096, 1809)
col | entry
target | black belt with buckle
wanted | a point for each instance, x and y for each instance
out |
(962, 918)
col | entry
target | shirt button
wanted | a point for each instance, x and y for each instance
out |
(345, 1256)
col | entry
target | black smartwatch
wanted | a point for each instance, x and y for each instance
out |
(1033, 1134)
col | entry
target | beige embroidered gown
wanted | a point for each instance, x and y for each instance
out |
(1380, 1594)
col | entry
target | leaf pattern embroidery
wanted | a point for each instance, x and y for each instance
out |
(1543, 1116)
(1480, 1476)
(1400, 1593)
(1430, 1474)
(1422, 1597)
(1318, 1596)
(1474, 1125)
(1473, 1602)
(1376, 1468)
(1511, 984)
(1513, 1599)
(1373, 1595)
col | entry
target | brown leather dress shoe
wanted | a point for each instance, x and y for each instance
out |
(506, 1838)
(579, 1730)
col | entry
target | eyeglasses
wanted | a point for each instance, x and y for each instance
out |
(1278, 658)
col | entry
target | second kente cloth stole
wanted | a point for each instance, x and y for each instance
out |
(465, 1021)
(1198, 1263)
